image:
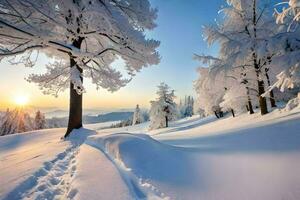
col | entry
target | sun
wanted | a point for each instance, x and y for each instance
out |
(21, 100)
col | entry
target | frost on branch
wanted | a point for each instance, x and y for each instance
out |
(91, 32)
(292, 9)
(76, 80)
(288, 46)
(55, 80)
(288, 78)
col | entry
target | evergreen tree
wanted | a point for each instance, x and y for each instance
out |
(16, 121)
(187, 108)
(164, 109)
(39, 120)
(137, 116)
(7, 126)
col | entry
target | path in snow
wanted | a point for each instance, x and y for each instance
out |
(21, 155)
(39, 165)
(97, 178)
(52, 181)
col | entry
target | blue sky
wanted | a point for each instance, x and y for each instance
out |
(179, 30)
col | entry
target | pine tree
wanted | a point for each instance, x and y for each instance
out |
(39, 120)
(187, 108)
(164, 109)
(137, 116)
(16, 121)
(7, 126)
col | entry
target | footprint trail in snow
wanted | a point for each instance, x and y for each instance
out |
(52, 181)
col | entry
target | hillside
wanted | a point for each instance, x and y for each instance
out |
(249, 157)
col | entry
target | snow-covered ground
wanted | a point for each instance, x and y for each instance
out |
(247, 157)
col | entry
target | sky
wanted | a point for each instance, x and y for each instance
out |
(180, 32)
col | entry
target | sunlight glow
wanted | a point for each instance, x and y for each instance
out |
(21, 100)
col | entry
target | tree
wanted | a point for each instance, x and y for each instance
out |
(164, 109)
(187, 108)
(15, 121)
(84, 37)
(234, 99)
(209, 92)
(243, 36)
(137, 116)
(8, 125)
(39, 120)
(287, 46)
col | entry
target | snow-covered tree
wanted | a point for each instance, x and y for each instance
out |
(186, 107)
(15, 121)
(39, 120)
(164, 109)
(209, 92)
(137, 116)
(288, 46)
(243, 36)
(84, 37)
(7, 125)
(234, 100)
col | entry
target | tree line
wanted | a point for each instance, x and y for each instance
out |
(18, 121)
(258, 52)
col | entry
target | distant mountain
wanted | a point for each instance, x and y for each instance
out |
(113, 116)
(86, 112)
(56, 122)
(56, 113)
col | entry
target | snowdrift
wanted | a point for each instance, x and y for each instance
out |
(249, 158)
(293, 103)
(154, 170)
(146, 164)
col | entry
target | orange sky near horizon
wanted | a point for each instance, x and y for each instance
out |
(13, 84)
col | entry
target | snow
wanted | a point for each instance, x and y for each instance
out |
(95, 176)
(293, 103)
(248, 157)
(22, 156)
(99, 126)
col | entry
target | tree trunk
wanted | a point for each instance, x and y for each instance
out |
(75, 107)
(167, 124)
(232, 112)
(262, 100)
(257, 67)
(216, 114)
(221, 114)
(272, 98)
(249, 106)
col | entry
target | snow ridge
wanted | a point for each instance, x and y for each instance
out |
(140, 187)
